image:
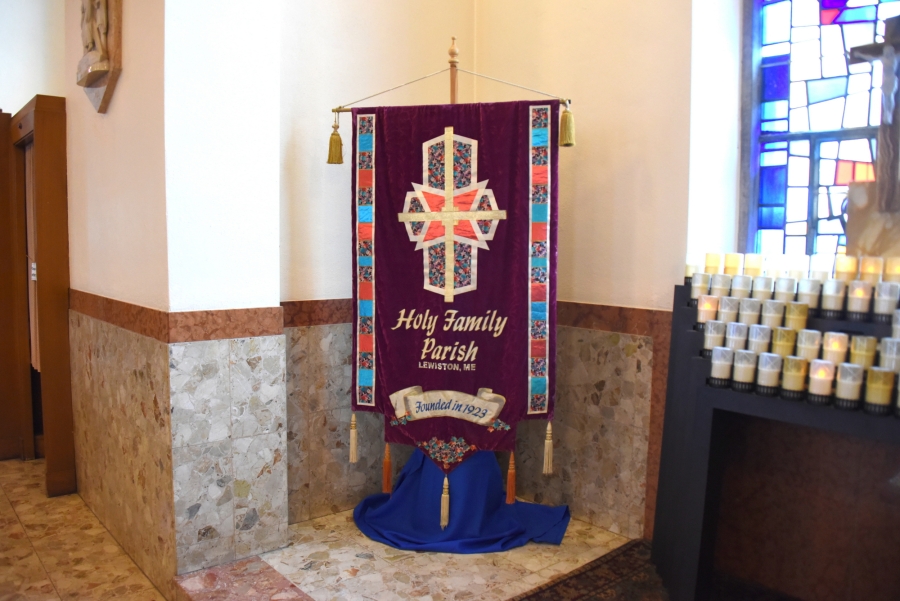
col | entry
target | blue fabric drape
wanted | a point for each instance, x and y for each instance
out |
(480, 519)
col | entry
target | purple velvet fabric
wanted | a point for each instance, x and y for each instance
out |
(504, 158)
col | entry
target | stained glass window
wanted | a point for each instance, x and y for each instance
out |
(818, 118)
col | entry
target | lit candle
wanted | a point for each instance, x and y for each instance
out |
(768, 373)
(834, 347)
(821, 266)
(736, 336)
(753, 265)
(759, 338)
(859, 297)
(798, 266)
(713, 335)
(772, 313)
(845, 268)
(744, 371)
(862, 350)
(887, 295)
(720, 284)
(795, 315)
(821, 378)
(699, 285)
(762, 287)
(879, 389)
(892, 269)
(734, 263)
(728, 308)
(890, 354)
(849, 385)
(783, 341)
(793, 377)
(833, 293)
(870, 269)
(785, 289)
(749, 312)
(808, 292)
(741, 285)
(713, 263)
(722, 358)
(706, 308)
(808, 344)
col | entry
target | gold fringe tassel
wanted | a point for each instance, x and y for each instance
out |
(354, 452)
(548, 450)
(335, 145)
(511, 480)
(386, 471)
(567, 128)
(445, 504)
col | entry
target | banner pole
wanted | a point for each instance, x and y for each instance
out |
(454, 61)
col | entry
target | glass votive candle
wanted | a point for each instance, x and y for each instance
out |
(891, 269)
(798, 266)
(785, 289)
(849, 386)
(734, 263)
(736, 336)
(834, 347)
(862, 350)
(768, 373)
(689, 271)
(707, 306)
(759, 338)
(808, 344)
(821, 382)
(722, 359)
(887, 295)
(859, 297)
(753, 265)
(879, 390)
(713, 336)
(720, 284)
(750, 310)
(762, 287)
(728, 308)
(699, 285)
(744, 371)
(772, 313)
(713, 263)
(793, 378)
(783, 341)
(833, 293)
(870, 269)
(808, 292)
(890, 354)
(821, 266)
(845, 268)
(795, 315)
(776, 266)
(741, 285)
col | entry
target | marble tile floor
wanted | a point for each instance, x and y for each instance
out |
(56, 549)
(331, 560)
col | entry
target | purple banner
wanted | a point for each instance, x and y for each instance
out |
(454, 363)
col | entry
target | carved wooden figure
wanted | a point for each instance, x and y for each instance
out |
(101, 40)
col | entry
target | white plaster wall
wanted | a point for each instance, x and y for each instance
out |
(624, 187)
(116, 166)
(222, 105)
(32, 51)
(334, 53)
(715, 128)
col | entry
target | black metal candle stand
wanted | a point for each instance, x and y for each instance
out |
(818, 399)
(847, 404)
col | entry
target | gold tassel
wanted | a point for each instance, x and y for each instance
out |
(511, 480)
(445, 504)
(335, 145)
(386, 471)
(567, 127)
(354, 452)
(548, 451)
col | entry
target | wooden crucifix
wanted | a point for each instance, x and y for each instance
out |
(887, 164)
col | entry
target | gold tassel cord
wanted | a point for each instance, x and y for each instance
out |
(445, 504)
(386, 471)
(511, 480)
(548, 450)
(354, 449)
(335, 145)
(567, 127)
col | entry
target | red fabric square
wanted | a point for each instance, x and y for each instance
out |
(539, 174)
(365, 291)
(538, 293)
(364, 178)
(538, 232)
(366, 343)
(539, 349)
(363, 231)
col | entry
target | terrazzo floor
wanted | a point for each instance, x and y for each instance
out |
(331, 560)
(54, 549)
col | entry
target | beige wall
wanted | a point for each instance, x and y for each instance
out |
(31, 51)
(117, 180)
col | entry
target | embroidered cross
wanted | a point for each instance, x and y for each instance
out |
(433, 216)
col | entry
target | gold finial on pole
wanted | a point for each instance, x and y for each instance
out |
(454, 61)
